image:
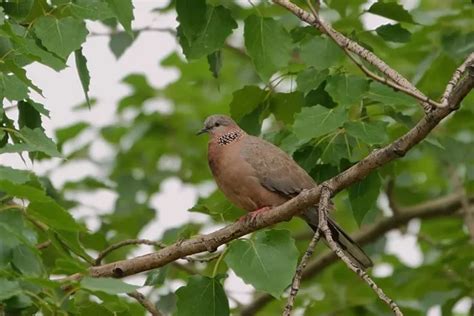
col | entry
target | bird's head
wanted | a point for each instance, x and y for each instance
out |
(217, 125)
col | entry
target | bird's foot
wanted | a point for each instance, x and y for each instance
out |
(252, 216)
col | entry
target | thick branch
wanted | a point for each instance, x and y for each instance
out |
(445, 206)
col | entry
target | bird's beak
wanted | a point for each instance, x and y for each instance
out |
(202, 131)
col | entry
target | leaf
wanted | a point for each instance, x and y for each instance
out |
(107, 285)
(245, 101)
(310, 79)
(14, 175)
(191, 17)
(217, 206)
(371, 133)
(91, 9)
(61, 36)
(119, 42)
(69, 132)
(39, 107)
(386, 95)
(268, 44)
(81, 66)
(391, 10)
(363, 196)
(52, 214)
(28, 116)
(124, 11)
(215, 63)
(211, 36)
(321, 53)
(285, 105)
(38, 141)
(317, 120)
(8, 289)
(202, 296)
(2, 16)
(156, 277)
(393, 33)
(267, 261)
(12, 88)
(27, 261)
(346, 89)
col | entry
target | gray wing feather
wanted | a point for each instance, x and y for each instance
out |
(274, 168)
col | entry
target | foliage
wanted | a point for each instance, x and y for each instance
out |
(316, 105)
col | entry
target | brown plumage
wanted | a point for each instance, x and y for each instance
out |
(255, 174)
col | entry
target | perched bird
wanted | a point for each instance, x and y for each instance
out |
(256, 175)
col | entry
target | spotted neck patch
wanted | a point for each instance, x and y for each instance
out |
(229, 137)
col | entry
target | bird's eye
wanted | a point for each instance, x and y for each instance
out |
(216, 124)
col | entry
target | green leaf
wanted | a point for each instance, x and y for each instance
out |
(61, 36)
(191, 17)
(202, 296)
(285, 105)
(39, 107)
(267, 261)
(53, 215)
(211, 36)
(2, 16)
(317, 120)
(91, 9)
(119, 42)
(371, 133)
(391, 10)
(12, 88)
(217, 206)
(215, 63)
(81, 66)
(310, 79)
(268, 44)
(156, 277)
(27, 261)
(124, 11)
(28, 116)
(321, 53)
(245, 101)
(67, 133)
(107, 285)
(393, 33)
(386, 95)
(363, 195)
(347, 89)
(38, 141)
(14, 175)
(8, 289)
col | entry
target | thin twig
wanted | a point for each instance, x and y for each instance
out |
(354, 47)
(391, 198)
(149, 306)
(124, 243)
(323, 226)
(43, 245)
(467, 208)
(295, 285)
(455, 79)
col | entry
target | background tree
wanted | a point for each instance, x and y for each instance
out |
(353, 122)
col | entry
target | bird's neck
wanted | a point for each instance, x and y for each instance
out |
(228, 137)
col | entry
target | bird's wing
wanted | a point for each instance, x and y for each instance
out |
(274, 168)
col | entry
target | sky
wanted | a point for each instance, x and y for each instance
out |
(62, 91)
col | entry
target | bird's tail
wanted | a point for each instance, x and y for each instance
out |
(346, 243)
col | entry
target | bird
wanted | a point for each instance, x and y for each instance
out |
(256, 175)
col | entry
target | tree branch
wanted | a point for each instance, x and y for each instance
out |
(149, 306)
(351, 46)
(323, 209)
(444, 206)
(455, 79)
(295, 285)
(124, 243)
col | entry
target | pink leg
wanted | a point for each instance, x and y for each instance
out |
(254, 214)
